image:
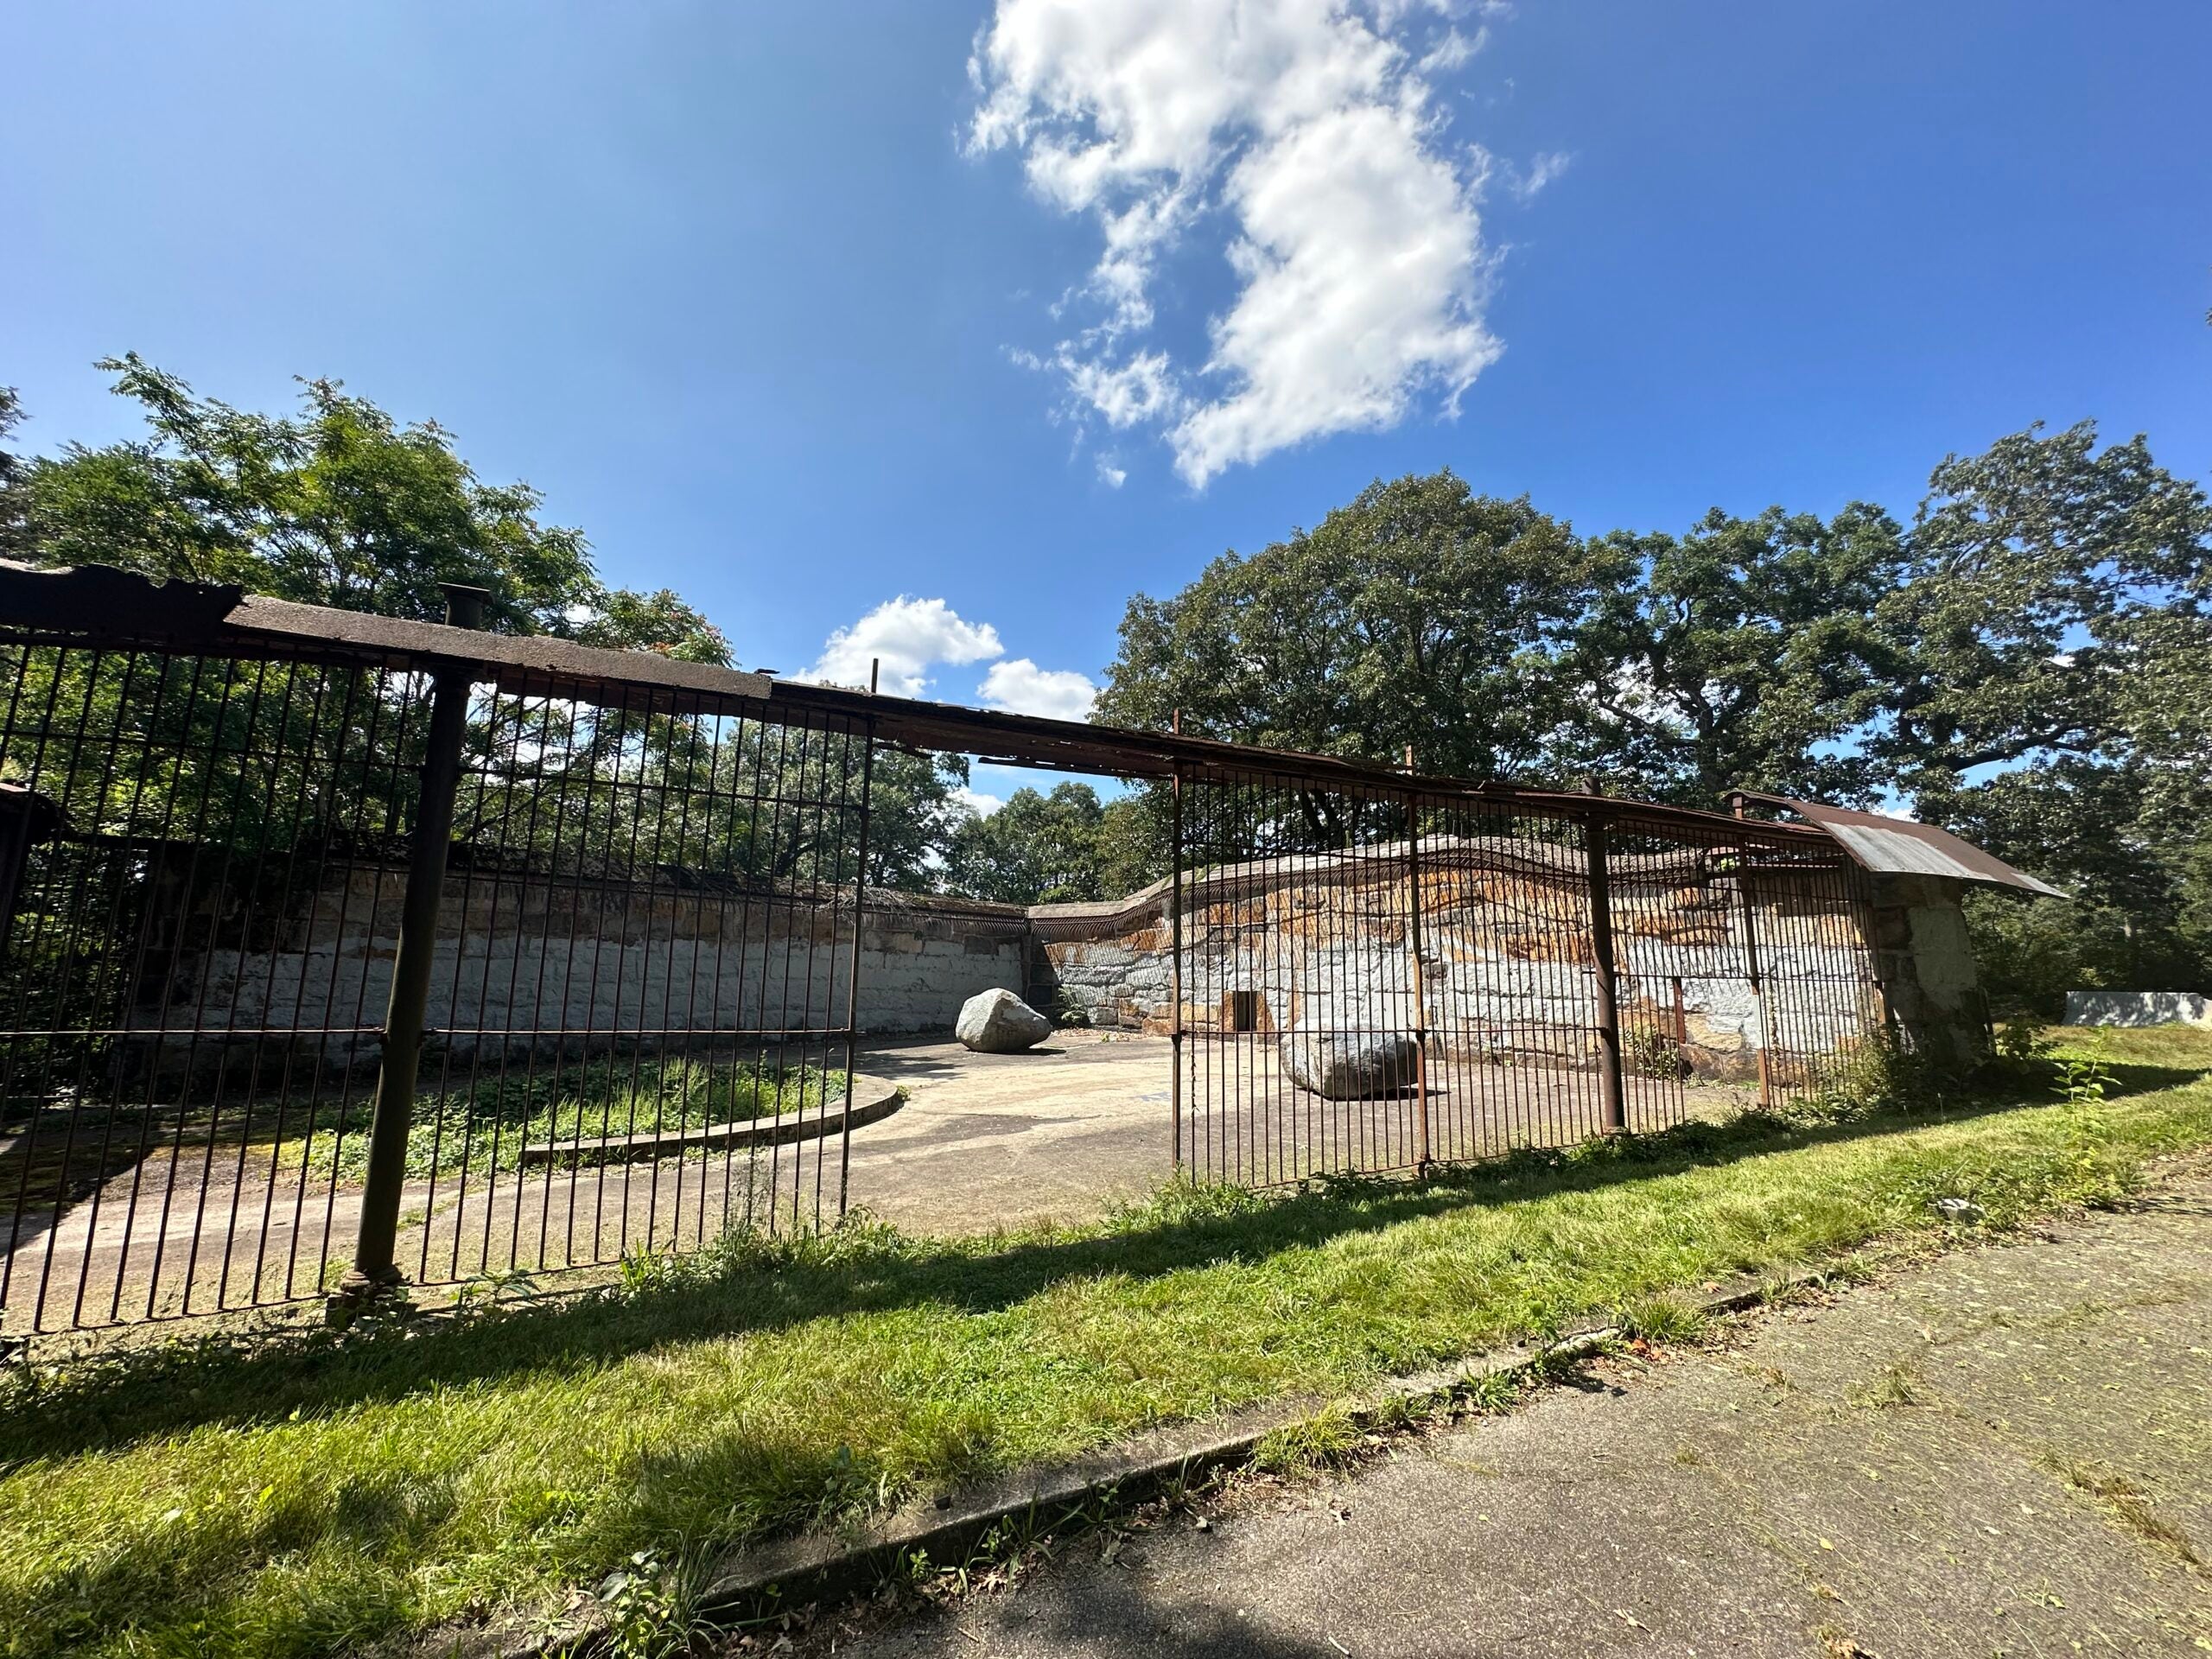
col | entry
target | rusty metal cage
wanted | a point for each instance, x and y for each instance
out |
(335, 951)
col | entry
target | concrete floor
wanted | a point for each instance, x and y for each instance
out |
(2005, 1452)
(983, 1140)
(1060, 1132)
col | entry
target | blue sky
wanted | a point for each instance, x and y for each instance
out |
(791, 311)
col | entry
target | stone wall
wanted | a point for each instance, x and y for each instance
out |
(1505, 955)
(2137, 1008)
(1926, 962)
(525, 965)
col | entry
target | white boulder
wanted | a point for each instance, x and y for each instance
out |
(997, 1021)
(1349, 1067)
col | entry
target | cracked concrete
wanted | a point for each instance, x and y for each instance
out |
(2004, 1451)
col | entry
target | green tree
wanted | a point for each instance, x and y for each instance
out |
(1035, 849)
(659, 622)
(1133, 835)
(1421, 613)
(1742, 655)
(2048, 585)
(2055, 631)
(340, 506)
(15, 539)
(915, 812)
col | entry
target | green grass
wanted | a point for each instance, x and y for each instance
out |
(486, 1126)
(300, 1494)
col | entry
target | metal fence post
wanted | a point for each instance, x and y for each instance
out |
(1613, 1103)
(1420, 983)
(374, 1270)
(1175, 959)
(1739, 803)
(852, 977)
(1755, 976)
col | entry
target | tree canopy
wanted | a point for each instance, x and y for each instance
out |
(1420, 614)
(2023, 663)
(337, 505)
(1036, 848)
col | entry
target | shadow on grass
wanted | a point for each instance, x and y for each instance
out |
(2124, 1077)
(745, 1284)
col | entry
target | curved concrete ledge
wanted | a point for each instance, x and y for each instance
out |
(873, 1099)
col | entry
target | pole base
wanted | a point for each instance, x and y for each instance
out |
(359, 1293)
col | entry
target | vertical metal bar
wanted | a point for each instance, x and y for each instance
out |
(1612, 1105)
(853, 972)
(392, 1116)
(1740, 806)
(1175, 955)
(1419, 989)
(1752, 974)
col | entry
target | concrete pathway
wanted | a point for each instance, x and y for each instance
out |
(2007, 1452)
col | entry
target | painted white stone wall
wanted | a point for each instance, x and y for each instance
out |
(2137, 1008)
(665, 965)
(1504, 964)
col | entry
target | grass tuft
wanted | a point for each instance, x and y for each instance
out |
(1661, 1319)
(1312, 1445)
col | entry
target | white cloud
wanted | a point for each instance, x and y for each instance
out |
(976, 801)
(1454, 51)
(1142, 389)
(1111, 476)
(1022, 688)
(1307, 129)
(909, 635)
(1546, 167)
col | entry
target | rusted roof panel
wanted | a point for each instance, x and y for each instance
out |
(1900, 847)
(520, 662)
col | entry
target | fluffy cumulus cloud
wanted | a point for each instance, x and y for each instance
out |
(908, 637)
(1306, 137)
(1025, 689)
(912, 637)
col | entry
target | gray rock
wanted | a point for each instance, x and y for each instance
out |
(1349, 1067)
(997, 1021)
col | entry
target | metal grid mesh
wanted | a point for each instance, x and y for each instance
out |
(153, 1091)
(640, 1012)
(1369, 982)
(645, 1017)
(642, 963)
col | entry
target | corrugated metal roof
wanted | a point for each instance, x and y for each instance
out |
(1900, 847)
